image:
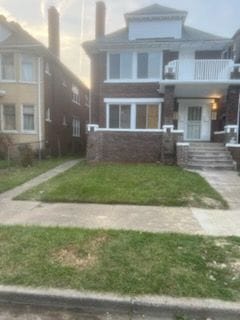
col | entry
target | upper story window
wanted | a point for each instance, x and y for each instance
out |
(86, 100)
(28, 69)
(120, 65)
(9, 117)
(48, 115)
(8, 66)
(149, 65)
(75, 95)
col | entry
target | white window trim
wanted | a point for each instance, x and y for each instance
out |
(21, 70)
(15, 72)
(133, 103)
(134, 78)
(2, 120)
(35, 124)
(78, 95)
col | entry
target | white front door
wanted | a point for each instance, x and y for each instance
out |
(194, 118)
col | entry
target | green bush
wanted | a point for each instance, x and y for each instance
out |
(26, 155)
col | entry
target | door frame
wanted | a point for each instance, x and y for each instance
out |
(183, 105)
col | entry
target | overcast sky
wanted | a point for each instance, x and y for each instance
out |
(221, 17)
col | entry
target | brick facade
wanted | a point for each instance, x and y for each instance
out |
(58, 99)
(169, 105)
(132, 147)
(235, 151)
(232, 105)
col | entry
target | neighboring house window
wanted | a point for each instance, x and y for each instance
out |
(64, 84)
(147, 116)
(119, 116)
(86, 100)
(120, 65)
(148, 65)
(28, 118)
(28, 68)
(75, 95)
(76, 127)
(9, 117)
(48, 115)
(8, 66)
(47, 69)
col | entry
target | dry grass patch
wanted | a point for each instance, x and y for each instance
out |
(80, 258)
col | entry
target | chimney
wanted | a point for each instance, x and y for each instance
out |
(53, 31)
(100, 19)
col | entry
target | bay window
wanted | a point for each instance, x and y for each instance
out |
(120, 65)
(28, 68)
(119, 116)
(9, 117)
(7, 66)
(28, 121)
(149, 65)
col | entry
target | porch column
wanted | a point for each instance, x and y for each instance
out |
(169, 102)
(232, 105)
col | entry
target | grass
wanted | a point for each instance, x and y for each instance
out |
(123, 262)
(142, 184)
(15, 175)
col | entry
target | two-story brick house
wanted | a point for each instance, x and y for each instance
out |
(42, 102)
(159, 79)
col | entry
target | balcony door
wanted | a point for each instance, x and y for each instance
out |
(195, 121)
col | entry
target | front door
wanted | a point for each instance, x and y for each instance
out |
(194, 118)
(194, 123)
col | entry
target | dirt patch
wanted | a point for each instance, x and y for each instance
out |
(80, 258)
(222, 243)
(235, 266)
(212, 203)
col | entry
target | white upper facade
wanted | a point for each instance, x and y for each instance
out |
(155, 22)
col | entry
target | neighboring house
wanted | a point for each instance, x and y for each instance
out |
(158, 76)
(41, 101)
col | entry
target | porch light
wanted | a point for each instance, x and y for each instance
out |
(214, 106)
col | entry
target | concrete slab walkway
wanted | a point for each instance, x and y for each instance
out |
(38, 180)
(125, 217)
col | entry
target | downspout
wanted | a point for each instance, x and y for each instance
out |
(39, 106)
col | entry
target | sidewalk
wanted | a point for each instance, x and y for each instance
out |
(126, 217)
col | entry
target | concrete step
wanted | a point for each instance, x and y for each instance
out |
(219, 157)
(213, 149)
(211, 162)
(213, 166)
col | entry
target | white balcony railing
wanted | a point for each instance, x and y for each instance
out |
(208, 70)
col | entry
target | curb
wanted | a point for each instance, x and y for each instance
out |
(102, 303)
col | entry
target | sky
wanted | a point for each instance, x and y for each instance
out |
(221, 17)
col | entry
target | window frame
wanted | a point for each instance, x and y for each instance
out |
(76, 97)
(76, 129)
(14, 68)
(34, 69)
(3, 118)
(133, 111)
(25, 131)
(131, 77)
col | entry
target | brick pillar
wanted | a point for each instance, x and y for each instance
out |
(232, 105)
(169, 102)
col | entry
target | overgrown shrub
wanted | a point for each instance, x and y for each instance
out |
(5, 142)
(26, 155)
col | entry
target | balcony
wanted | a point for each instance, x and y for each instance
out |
(202, 70)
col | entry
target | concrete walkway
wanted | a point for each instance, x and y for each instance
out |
(142, 218)
(38, 180)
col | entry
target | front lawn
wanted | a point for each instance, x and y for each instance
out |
(142, 184)
(15, 175)
(124, 262)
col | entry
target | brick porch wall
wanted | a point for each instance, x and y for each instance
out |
(132, 147)
(235, 151)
